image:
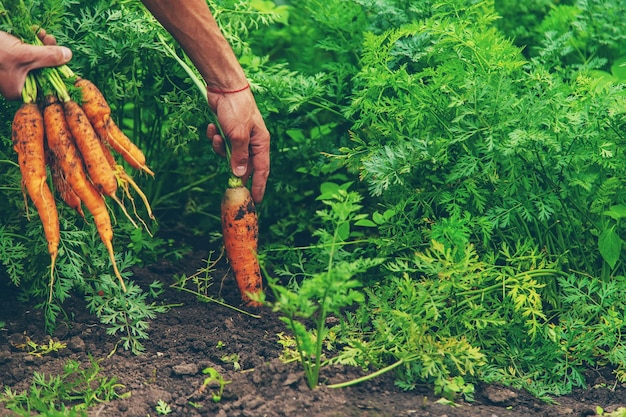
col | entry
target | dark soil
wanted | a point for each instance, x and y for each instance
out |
(196, 335)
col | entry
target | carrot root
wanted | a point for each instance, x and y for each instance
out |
(240, 231)
(28, 141)
(88, 143)
(98, 112)
(111, 134)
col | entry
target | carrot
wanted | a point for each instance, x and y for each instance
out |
(240, 230)
(59, 179)
(99, 114)
(113, 135)
(54, 126)
(97, 207)
(93, 103)
(62, 144)
(87, 140)
(28, 142)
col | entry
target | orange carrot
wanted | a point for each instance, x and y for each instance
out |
(240, 229)
(93, 102)
(96, 206)
(28, 142)
(62, 144)
(59, 179)
(113, 135)
(54, 125)
(87, 140)
(99, 114)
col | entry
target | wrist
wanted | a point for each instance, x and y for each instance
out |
(216, 90)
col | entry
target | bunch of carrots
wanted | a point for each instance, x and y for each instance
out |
(64, 125)
(75, 141)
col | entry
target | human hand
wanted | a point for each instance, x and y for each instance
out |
(18, 58)
(242, 123)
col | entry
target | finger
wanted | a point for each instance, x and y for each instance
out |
(261, 164)
(219, 146)
(239, 156)
(45, 38)
(216, 140)
(259, 181)
(35, 56)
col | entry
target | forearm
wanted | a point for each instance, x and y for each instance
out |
(192, 25)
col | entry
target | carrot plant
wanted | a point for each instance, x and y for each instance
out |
(213, 379)
(326, 281)
(126, 313)
(444, 310)
(71, 393)
(449, 107)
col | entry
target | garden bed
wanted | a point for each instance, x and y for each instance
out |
(195, 335)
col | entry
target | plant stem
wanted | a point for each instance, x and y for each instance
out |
(29, 92)
(53, 77)
(372, 375)
(351, 242)
(321, 319)
(190, 72)
(216, 301)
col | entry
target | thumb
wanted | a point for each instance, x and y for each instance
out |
(40, 56)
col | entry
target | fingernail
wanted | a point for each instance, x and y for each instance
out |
(240, 170)
(67, 53)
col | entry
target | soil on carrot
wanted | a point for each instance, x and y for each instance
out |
(244, 350)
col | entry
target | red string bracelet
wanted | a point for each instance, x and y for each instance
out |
(218, 91)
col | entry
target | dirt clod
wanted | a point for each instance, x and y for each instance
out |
(499, 395)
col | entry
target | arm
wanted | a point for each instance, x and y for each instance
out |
(18, 58)
(192, 25)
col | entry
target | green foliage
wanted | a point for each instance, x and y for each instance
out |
(126, 314)
(499, 173)
(592, 321)
(449, 108)
(330, 278)
(71, 393)
(163, 408)
(446, 314)
(521, 20)
(576, 34)
(199, 283)
(39, 350)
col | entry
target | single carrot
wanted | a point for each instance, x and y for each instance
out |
(28, 142)
(99, 114)
(97, 207)
(93, 102)
(241, 231)
(113, 135)
(55, 126)
(62, 144)
(88, 143)
(59, 179)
